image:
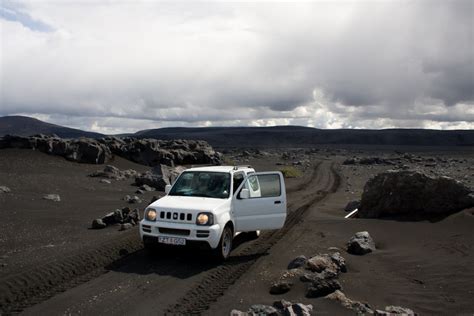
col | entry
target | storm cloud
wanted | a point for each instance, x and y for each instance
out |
(122, 66)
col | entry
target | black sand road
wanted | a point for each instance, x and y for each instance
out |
(55, 265)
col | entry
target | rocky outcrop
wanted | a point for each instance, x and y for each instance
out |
(413, 195)
(153, 152)
(150, 152)
(368, 161)
(85, 150)
(360, 244)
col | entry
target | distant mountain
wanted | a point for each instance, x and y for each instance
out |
(26, 126)
(298, 136)
(277, 136)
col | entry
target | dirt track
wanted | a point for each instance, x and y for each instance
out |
(103, 280)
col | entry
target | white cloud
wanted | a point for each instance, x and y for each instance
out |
(121, 66)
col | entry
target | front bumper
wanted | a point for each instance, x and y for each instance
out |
(194, 234)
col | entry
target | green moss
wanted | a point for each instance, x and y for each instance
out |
(291, 172)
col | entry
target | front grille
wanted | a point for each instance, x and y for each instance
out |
(202, 233)
(176, 216)
(146, 228)
(173, 231)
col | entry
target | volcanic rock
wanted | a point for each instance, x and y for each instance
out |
(297, 262)
(52, 197)
(98, 224)
(4, 189)
(280, 287)
(360, 244)
(319, 263)
(413, 195)
(322, 288)
(395, 310)
(358, 307)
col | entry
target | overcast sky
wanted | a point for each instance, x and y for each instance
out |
(121, 66)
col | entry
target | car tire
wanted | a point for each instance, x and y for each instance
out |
(222, 252)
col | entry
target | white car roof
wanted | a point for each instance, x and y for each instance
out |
(229, 169)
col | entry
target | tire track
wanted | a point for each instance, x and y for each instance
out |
(215, 283)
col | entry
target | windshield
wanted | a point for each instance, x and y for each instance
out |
(203, 184)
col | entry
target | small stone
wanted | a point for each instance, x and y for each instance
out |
(360, 244)
(105, 181)
(260, 309)
(280, 287)
(4, 189)
(297, 262)
(52, 197)
(125, 226)
(395, 310)
(146, 187)
(140, 191)
(98, 224)
(298, 309)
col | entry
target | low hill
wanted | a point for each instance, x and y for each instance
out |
(297, 136)
(26, 126)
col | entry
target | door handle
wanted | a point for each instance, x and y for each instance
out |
(277, 202)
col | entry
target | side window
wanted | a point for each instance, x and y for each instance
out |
(238, 179)
(264, 185)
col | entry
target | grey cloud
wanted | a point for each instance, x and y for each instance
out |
(380, 62)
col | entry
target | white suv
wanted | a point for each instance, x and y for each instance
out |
(210, 205)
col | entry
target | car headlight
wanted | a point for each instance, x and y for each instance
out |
(150, 215)
(205, 219)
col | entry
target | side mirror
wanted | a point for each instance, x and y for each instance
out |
(244, 194)
(167, 188)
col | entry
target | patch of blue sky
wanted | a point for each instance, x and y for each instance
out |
(12, 11)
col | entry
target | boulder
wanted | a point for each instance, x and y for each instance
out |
(360, 244)
(339, 261)
(98, 224)
(4, 189)
(280, 287)
(413, 195)
(52, 197)
(297, 262)
(322, 288)
(132, 199)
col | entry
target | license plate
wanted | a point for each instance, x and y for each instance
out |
(172, 241)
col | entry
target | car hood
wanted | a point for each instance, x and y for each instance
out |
(187, 203)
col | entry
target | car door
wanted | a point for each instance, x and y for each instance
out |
(265, 205)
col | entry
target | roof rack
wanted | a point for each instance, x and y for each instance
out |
(242, 166)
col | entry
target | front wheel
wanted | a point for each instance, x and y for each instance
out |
(224, 248)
